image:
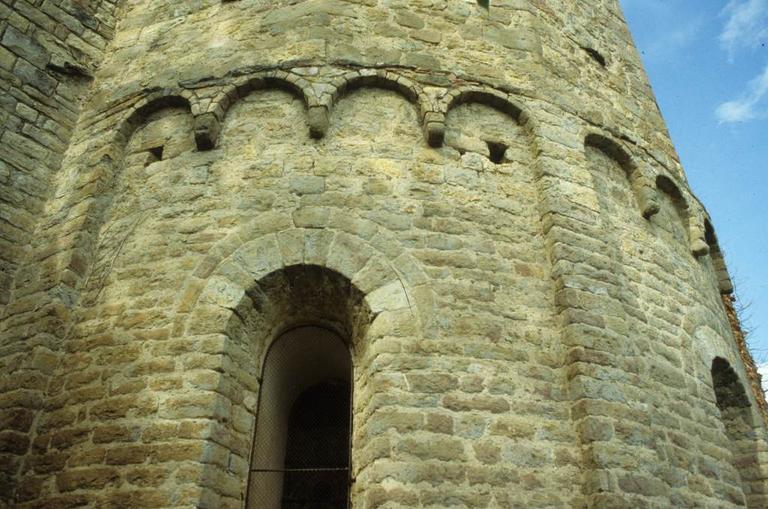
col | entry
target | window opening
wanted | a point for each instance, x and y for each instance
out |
(301, 448)
(497, 151)
(317, 450)
(486, 4)
(736, 414)
(155, 154)
(596, 55)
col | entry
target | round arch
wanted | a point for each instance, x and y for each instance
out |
(391, 281)
(387, 80)
(256, 284)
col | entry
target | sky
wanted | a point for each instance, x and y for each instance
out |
(707, 61)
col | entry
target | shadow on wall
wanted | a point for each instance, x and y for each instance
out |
(738, 419)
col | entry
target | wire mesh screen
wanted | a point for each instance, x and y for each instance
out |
(316, 470)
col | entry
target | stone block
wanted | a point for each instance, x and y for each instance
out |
(34, 77)
(307, 184)
(87, 478)
(25, 47)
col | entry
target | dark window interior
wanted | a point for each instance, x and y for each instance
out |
(155, 154)
(497, 151)
(317, 449)
(736, 414)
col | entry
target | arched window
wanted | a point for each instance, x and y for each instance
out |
(738, 420)
(301, 449)
(317, 450)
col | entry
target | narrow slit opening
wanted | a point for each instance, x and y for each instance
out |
(157, 152)
(497, 151)
(596, 55)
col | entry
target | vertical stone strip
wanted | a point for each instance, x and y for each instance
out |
(592, 302)
(48, 53)
(37, 319)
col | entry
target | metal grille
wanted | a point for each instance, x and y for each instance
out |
(316, 470)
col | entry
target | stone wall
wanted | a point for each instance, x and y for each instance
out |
(492, 216)
(49, 51)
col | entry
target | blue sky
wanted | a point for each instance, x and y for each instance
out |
(708, 64)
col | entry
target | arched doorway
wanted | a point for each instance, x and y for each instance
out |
(301, 451)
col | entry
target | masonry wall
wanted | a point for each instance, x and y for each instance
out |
(49, 51)
(508, 243)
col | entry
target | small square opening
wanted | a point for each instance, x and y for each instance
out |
(497, 151)
(155, 154)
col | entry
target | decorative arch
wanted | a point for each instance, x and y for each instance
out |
(86, 204)
(694, 233)
(495, 100)
(383, 79)
(718, 260)
(739, 423)
(666, 185)
(643, 188)
(282, 81)
(435, 126)
(208, 123)
(155, 101)
(380, 79)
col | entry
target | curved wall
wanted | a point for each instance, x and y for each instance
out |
(498, 186)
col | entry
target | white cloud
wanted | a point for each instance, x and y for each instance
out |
(673, 42)
(746, 25)
(749, 106)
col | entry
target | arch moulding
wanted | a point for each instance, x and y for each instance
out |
(392, 281)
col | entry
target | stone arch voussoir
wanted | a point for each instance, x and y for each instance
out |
(208, 122)
(640, 179)
(381, 78)
(392, 281)
(483, 95)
